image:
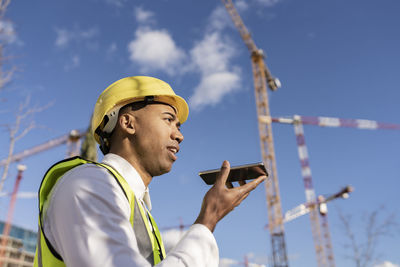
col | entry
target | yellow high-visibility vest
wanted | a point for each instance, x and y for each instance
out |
(148, 236)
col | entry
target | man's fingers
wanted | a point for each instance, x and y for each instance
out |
(224, 173)
(247, 188)
(243, 197)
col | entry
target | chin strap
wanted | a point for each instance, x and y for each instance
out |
(104, 143)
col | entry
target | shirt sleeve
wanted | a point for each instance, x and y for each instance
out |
(87, 222)
(197, 248)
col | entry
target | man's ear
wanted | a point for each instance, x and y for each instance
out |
(127, 123)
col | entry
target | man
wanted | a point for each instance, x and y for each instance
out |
(97, 214)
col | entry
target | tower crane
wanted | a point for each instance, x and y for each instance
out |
(10, 213)
(321, 237)
(323, 241)
(181, 226)
(305, 208)
(247, 263)
(263, 78)
(320, 230)
(72, 139)
(20, 194)
(335, 122)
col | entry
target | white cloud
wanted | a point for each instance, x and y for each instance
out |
(212, 54)
(112, 48)
(212, 57)
(73, 63)
(219, 19)
(63, 37)
(387, 264)
(155, 50)
(256, 265)
(269, 3)
(213, 88)
(241, 5)
(143, 16)
(171, 238)
(116, 3)
(311, 35)
(7, 32)
(66, 37)
(225, 262)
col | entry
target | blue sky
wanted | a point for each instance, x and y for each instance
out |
(334, 58)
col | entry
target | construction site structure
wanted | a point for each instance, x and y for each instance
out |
(74, 143)
(319, 224)
(20, 246)
(8, 257)
(321, 204)
(322, 242)
(336, 122)
(20, 194)
(320, 229)
(323, 239)
(181, 226)
(10, 213)
(263, 78)
(247, 263)
(72, 139)
(14, 254)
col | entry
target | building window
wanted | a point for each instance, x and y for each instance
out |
(15, 255)
(28, 258)
(15, 244)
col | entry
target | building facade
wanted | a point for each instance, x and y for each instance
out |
(19, 250)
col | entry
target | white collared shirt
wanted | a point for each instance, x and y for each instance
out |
(87, 222)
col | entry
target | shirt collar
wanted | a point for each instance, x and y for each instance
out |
(131, 176)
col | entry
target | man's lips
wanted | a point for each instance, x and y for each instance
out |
(173, 150)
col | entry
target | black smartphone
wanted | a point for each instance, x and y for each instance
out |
(237, 173)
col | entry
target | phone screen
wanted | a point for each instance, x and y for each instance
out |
(237, 173)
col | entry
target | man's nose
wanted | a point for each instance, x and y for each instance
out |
(178, 136)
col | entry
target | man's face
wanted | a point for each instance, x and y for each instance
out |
(157, 137)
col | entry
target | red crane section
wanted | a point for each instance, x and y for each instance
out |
(10, 213)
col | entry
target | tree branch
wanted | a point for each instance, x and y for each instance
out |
(15, 134)
(365, 253)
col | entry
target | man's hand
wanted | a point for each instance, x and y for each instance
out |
(222, 198)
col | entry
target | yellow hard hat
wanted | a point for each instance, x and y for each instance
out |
(129, 90)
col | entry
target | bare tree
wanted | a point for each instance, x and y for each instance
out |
(3, 6)
(19, 129)
(364, 253)
(5, 75)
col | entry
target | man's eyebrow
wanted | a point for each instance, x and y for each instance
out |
(169, 113)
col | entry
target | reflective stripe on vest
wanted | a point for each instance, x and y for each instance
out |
(148, 236)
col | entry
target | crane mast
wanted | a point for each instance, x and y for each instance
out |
(262, 77)
(319, 225)
(321, 237)
(10, 213)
